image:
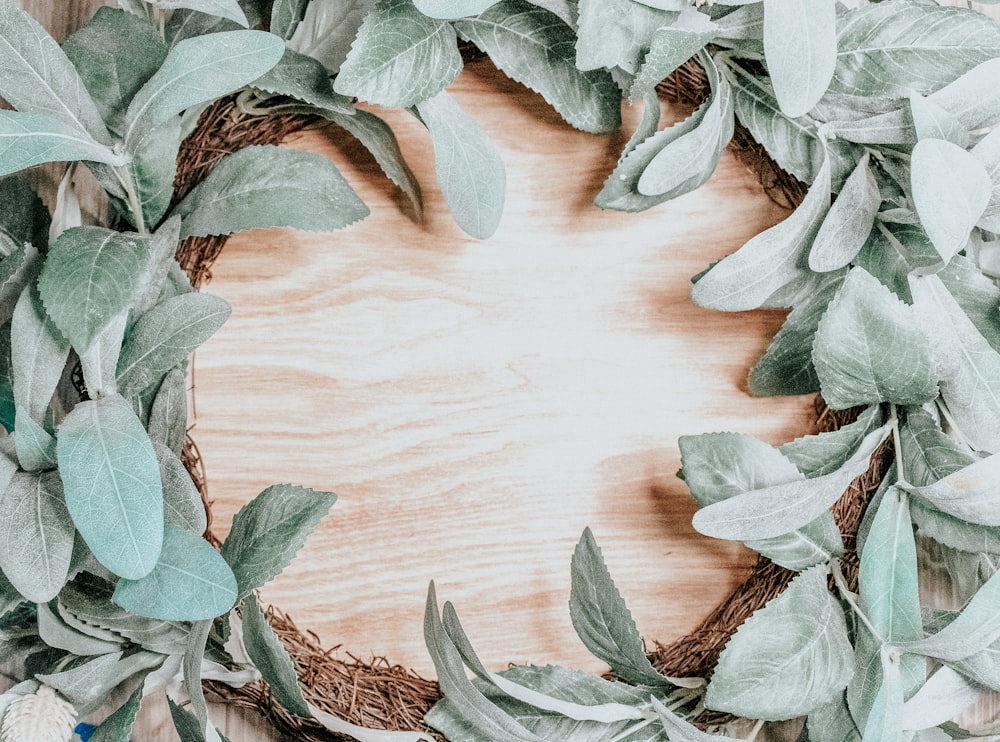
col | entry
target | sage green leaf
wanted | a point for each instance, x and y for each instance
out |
(118, 726)
(601, 618)
(56, 633)
(378, 138)
(168, 415)
(769, 261)
(162, 249)
(849, 221)
(112, 483)
(968, 493)
(328, 29)
(782, 508)
(973, 98)
(197, 70)
(870, 348)
(39, 78)
(970, 388)
(944, 696)
(286, 15)
(186, 724)
(88, 685)
(977, 296)
(814, 543)
(800, 47)
(891, 126)
(23, 219)
(35, 446)
(115, 53)
(617, 33)
(186, 24)
(452, 9)
(955, 533)
(304, 79)
(894, 251)
(536, 49)
(260, 187)
(680, 730)
(987, 152)
(788, 658)
(933, 122)
(36, 535)
(228, 9)
(165, 336)
(38, 355)
(671, 46)
(29, 139)
(190, 582)
(269, 530)
(786, 367)
(400, 57)
(154, 167)
(928, 453)
(832, 722)
(884, 722)
(91, 275)
(950, 192)
(182, 503)
(8, 468)
(468, 166)
(895, 47)
(271, 658)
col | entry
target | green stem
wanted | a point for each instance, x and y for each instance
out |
(134, 204)
(897, 445)
(850, 598)
(953, 428)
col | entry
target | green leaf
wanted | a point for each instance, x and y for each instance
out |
(98, 361)
(269, 530)
(286, 15)
(679, 730)
(187, 24)
(786, 367)
(973, 98)
(602, 620)
(928, 453)
(816, 455)
(228, 9)
(36, 535)
(894, 251)
(118, 726)
(198, 70)
(188, 728)
(832, 722)
(165, 336)
(617, 33)
(23, 218)
(933, 122)
(88, 685)
(800, 46)
(870, 348)
(987, 152)
(162, 249)
(788, 657)
(29, 139)
(190, 582)
(671, 46)
(182, 503)
(950, 192)
(893, 48)
(55, 632)
(39, 78)
(779, 509)
(327, 30)
(271, 658)
(304, 79)
(91, 275)
(260, 187)
(849, 221)
(115, 54)
(884, 722)
(769, 261)
(452, 9)
(112, 483)
(168, 415)
(38, 355)
(401, 57)
(154, 167)
(970, 388)
(944, 696)
(35, 446)
(977, 295)
(535, 48)
(968, 493)
(814, 543)
(468, 166)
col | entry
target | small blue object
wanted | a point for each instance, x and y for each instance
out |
(84, 731)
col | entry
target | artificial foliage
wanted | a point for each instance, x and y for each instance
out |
(887, 111)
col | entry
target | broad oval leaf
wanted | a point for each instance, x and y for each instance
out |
(849, 222)
(29, 139)
(190, 582)
(265, 186)
(950, 192)
(870, 348)
(35, 446)
(112, 483)
(269, 530)
(91, 276)
(468, 166)
(168, 414)
(800, 46)
(930, 121)
(452, 9)
(36, 535)
(197, 70)
(974, 98)
(532, 47)
(400, 57)
(787, 658)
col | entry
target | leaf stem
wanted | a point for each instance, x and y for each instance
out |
(628, 732)
(134, 204)
(850, 598)
(953, 428)
(897, 445)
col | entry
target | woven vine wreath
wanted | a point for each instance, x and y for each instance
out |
(112, 583)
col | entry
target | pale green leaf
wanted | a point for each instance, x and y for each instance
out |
(814, 543)
(782, 508)
(973, 98)
(39, 78)
(671, 46)
(987, 152)
(35, 446)
(98, 361)
(269, 530)
(57, 633)
(950, 192)
(29, 139)
(271, 658)
(165, 336)
(800, 47)
(933, 122)
(88, 685)
(535, 48)
(228, 9)
(816, 455)
(970, 386)
(894, 251)
(112, 484)
(118, 726)
(36, 535)
(955, 533)
(788, 657)
(680, 730)
(400, 57)
(286, 15)
(944, 696)
(168, 414)
(601, 618)
(304, 79)
(265, 186)
(197, 70)
(769, 261)
(467, 164)
(187, 24)
(327, 30)
(38, 355)
(452, 9)
(928, 453)
(884, 721)
(190, 582)
(849, 221)
(154, 167)
(186, 724)
(968, 493)
(895, 47)
(617, 33)
(977, 295)
(364, 734)
(870, 348)
(91, 275)
(182, 503)
(162, 249)
(832, 722)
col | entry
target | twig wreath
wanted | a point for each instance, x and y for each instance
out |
(887, 111)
